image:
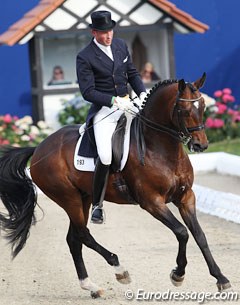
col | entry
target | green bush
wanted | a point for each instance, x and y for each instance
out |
(74, 111)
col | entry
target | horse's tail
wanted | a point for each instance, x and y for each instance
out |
(18, 195)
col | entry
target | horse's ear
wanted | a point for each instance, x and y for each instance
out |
(200, 82)
(181, 85)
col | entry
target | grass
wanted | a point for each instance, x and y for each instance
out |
(228, 146)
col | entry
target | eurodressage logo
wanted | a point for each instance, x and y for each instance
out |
(200, 297)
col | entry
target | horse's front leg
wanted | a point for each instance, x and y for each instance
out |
(160, 211)
(188, 212)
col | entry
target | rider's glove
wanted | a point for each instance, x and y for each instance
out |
(141, 99)
(123, 103)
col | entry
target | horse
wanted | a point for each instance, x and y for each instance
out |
(172, 115)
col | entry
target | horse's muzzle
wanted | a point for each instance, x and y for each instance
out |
(197, 147)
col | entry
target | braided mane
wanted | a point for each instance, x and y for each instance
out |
(163, 83)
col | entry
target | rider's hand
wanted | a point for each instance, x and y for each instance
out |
(123, 103)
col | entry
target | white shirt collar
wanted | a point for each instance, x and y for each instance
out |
(106, 49)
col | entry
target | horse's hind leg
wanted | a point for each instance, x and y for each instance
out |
(79, 235)
(75, 247)
(188, 212)
(160, 211)
(87, 239)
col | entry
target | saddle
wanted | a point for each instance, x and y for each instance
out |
(86, 161)
(120, 145)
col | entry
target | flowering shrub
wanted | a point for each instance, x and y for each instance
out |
(74, 111)
(222, 120)
(21, 131)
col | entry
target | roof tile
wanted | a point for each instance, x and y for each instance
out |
(39, 11)
(24, 25)
(11, 37)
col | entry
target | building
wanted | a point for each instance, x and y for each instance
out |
(55, 30)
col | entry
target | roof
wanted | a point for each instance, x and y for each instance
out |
(39, 18)
(181, 16)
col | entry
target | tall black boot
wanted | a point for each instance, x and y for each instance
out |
(99, 187)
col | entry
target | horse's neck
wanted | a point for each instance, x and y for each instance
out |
(160, 106)
(159, 110)
(161, 143)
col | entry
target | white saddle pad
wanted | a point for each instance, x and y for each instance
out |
(87, 164)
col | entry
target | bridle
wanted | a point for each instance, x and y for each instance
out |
(183, 133)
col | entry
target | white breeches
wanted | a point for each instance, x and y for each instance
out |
(104, 124)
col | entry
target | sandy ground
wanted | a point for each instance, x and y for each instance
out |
(44, 273)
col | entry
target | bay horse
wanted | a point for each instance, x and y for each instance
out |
(172, 115)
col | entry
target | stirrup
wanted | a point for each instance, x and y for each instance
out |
(98, 220)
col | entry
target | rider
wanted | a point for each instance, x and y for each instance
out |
(104, 68)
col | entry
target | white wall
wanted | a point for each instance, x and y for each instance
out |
(221, 204)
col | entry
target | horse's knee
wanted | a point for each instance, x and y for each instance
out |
(182, 234)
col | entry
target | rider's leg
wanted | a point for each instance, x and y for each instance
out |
(99, 187)
(104, 126)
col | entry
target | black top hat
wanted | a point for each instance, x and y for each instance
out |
(101, 21)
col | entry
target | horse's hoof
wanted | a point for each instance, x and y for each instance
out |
(224, 286)
(123, 278)
(96, 294)
(94, 289)
(176, 279)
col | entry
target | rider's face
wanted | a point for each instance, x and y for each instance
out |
(103, 37)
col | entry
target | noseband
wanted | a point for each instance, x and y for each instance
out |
(183, 134)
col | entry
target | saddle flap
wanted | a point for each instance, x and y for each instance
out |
(118, 143)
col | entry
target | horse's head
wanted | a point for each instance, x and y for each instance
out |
(177, 108)
(188, 114)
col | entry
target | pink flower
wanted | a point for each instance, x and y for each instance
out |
(221, 108)
(7, 118)
(232, 112)
(214, 123)
(209, 123)
(237, 118)
(218, 123)
(235, 115)
(227, 91)
(228, 98)
(218, 93)
(231, 98)
(14, 127)
(5, 142)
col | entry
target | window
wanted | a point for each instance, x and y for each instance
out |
(59, 60)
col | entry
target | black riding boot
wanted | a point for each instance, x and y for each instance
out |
(99, 187)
